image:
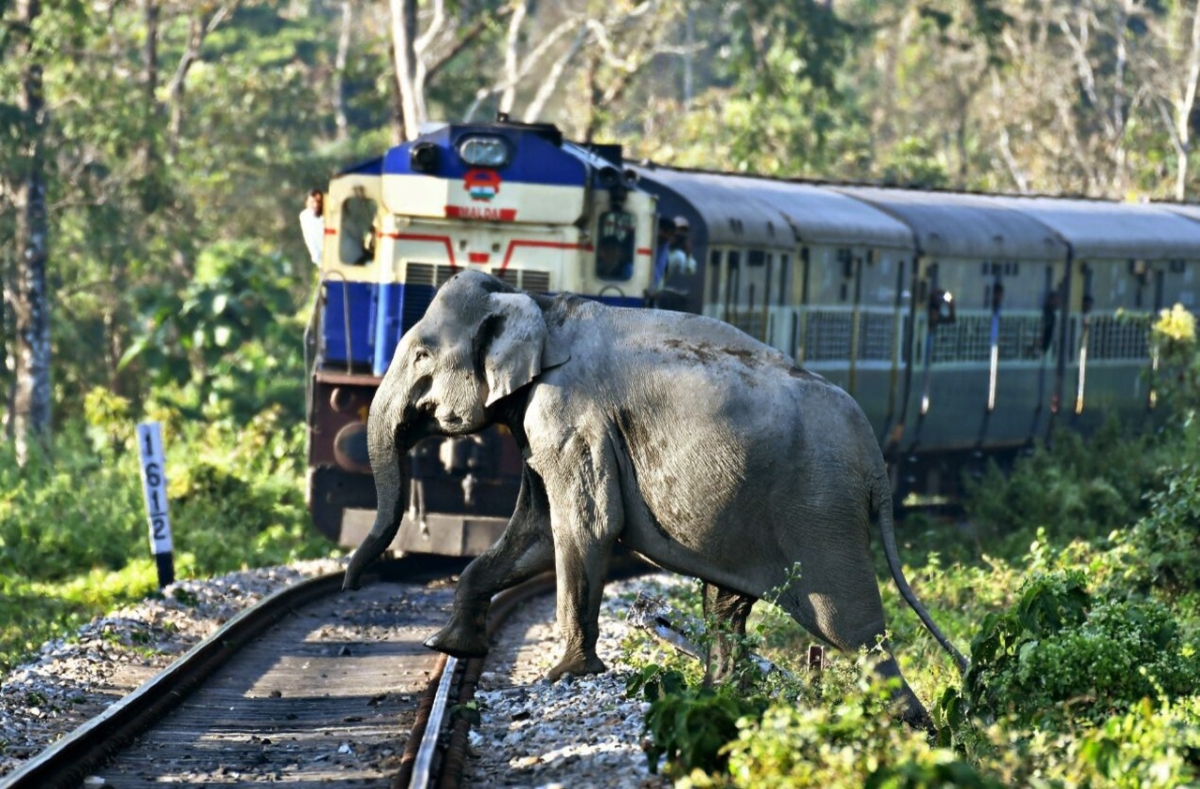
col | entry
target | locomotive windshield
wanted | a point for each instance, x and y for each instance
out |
(357, 236)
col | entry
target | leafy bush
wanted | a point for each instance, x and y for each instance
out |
(1166, 541)
(851, 743)
(228, 340)
(1073, 487)
(688, 725)
(1146, 747)
(1173, 344)
(1060, 653)
(831, 729)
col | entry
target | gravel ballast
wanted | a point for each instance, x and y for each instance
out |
(581, 731)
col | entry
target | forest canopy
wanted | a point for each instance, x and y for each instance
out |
(156, 153)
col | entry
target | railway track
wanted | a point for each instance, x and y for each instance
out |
(311, 685)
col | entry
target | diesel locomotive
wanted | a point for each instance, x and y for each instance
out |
(966, 325)
(515, 200)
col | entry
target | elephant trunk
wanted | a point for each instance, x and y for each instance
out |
(388, 448)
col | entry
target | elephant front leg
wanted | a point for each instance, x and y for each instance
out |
(725, 614)
(524, 550)
(586, 515)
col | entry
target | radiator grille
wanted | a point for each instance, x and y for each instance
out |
(536, 281)
(428, 274)
(419, 274)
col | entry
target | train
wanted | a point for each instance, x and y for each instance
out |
(967, 325)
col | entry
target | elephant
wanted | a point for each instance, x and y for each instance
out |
(695, 446)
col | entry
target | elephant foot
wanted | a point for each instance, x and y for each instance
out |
(920, 721)
(914, 714)
(456, 642)
(577, 665)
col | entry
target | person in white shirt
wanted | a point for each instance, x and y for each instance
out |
(312, 224)
(679, 259)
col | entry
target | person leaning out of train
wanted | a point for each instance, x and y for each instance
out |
(312, 224)
(655, 297)
(679, 258)
(662, 251)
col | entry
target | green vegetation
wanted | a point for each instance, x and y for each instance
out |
(73, 533)
(1077, 591)
(1063, 652)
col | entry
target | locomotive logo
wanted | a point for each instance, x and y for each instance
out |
(482, 184)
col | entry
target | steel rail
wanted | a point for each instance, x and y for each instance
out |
(624, 565)
(69, 761)
(423, 767)
(420, 767)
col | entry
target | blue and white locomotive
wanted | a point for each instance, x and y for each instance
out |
(966, 325)
(515, 200)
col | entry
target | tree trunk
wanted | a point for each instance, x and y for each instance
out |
(339, 71)
(198, 30)
(31, 306)
(511, 59)
(175, 90)
(150, 50)
(1183, 113)
(553, 77)
(595, 96)
(404, 34)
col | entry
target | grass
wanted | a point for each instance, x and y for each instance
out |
(73, 533)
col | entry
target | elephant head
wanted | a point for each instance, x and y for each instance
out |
(480, 341)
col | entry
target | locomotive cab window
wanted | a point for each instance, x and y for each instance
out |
(356, 236)
(615, 249)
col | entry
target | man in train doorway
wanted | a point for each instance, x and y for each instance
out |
(312, 224)
(680, 260)
(673, 259)
(662, 251)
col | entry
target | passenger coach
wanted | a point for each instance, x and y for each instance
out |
(964, 324)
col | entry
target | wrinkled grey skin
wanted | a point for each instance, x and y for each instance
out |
(696, 446)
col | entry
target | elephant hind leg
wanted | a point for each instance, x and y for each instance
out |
(725, 613)
(851, 621)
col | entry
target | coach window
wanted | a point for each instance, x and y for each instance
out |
(733, 281)
(714, 288)
(845, 261)
(785, 267)
(615, 250)
(756, 261)
(356, 236)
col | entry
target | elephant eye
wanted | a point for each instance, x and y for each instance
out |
(421, 355)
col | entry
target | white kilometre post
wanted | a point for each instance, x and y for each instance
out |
(154, 488)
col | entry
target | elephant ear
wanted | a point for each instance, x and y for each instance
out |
(515, 344)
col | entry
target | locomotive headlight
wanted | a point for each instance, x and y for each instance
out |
(424, 157)
(484, 151)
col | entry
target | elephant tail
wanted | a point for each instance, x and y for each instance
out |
(883, 505)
